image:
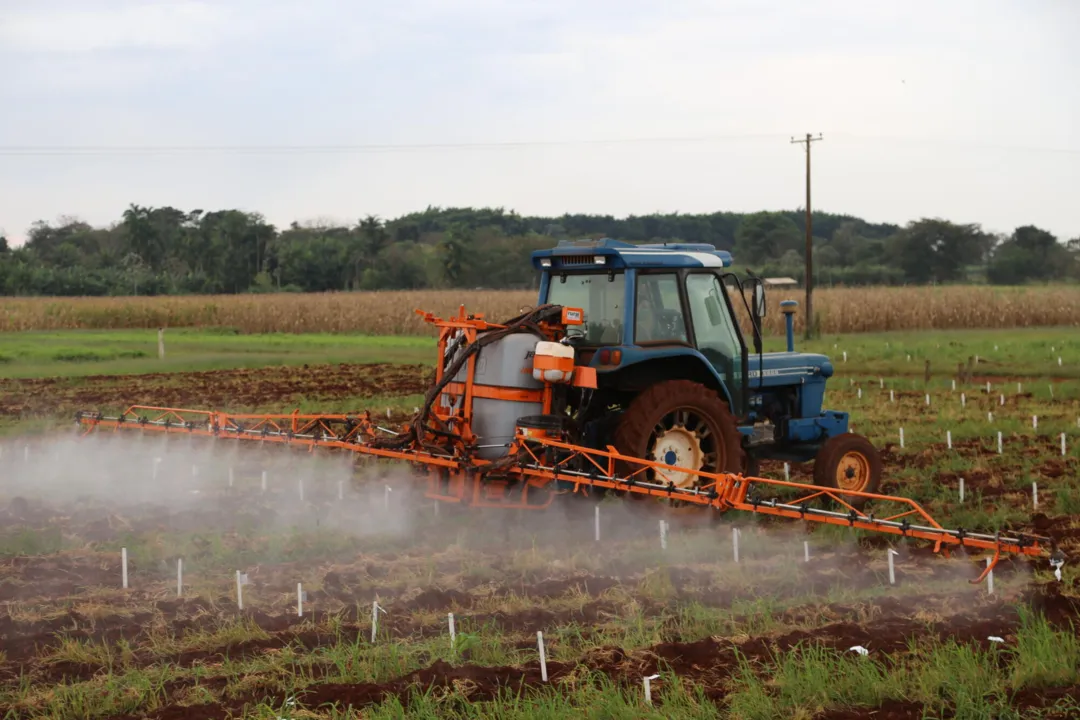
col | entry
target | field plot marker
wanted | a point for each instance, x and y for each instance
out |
(663, 535)
(1062, 444)
(806, 550)
(647, 683)
(948, 438)
(241, 581)
(954, 385)
(1001, 400)
(453, 634)
(989, 417)
(1051, 391)
(999, 442)
(859, 393)
(123, 567)
(987, 387)
(232, 476)
(596, 523)
(881, 383)
(1034, 422)
(340, 489)
(375, 610)
(927, 399)
(26, 453)
(901, 437)
(892, 396)
(989, 579)
(961, 489)
(892, 570)
(787, 471)
(386, 498)
(1034, 495)
(300, 597)
(300, 487)
(179, 577)
(543, 657)
(1018, 390)
(735, 542)
(264, 481)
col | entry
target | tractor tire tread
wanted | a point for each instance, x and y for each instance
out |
(636, 425)
(834, 449)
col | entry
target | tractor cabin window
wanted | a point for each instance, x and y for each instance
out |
(714, 329)
(601, 296)
(659, 315)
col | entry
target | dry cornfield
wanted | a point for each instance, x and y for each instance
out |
(839, 310)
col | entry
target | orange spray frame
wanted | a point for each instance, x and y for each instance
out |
(542, 463)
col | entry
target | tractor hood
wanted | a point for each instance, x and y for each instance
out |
(785, 368)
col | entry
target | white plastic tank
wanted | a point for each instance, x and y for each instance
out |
(505, 363)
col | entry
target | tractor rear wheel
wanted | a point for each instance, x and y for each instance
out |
(684, 424)
(848, 462)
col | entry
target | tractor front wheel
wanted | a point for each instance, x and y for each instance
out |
(683, 424)
(848, 462)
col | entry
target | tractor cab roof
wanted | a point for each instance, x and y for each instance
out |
(617, 255)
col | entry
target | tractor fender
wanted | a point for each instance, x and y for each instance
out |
(643, 367)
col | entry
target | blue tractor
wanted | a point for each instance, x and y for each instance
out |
(676, 381)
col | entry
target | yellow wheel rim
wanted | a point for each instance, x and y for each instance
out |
(853, 472)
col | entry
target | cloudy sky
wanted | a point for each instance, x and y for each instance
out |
(333, 109)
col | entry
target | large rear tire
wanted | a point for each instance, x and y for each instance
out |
(681, 423)
(848, 462)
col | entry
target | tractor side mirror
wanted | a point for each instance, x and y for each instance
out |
(759, 301)
(712, 309)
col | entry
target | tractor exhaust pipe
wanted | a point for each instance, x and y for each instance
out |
(788, 308)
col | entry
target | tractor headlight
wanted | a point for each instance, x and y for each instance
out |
(599, 259)
(545, 262)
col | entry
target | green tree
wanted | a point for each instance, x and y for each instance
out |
(763, 236)
(1029, 254)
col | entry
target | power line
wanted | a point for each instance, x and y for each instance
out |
(11, 150)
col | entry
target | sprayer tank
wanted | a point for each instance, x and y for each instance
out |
(506, 363)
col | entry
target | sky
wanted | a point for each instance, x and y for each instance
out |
(330, 110)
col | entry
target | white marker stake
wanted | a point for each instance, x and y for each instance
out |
(881, 383)
(1059, 361)
(239, 592)
(1062, 444)
(179, 577)
(663, 535)
(374, 619)
(453, 633)
(123, 567)
(999, 442)
(299, 600)
(386, 498)
(735, 542)
(1001, 400)
(989, 417)
(232, 476)
(806, 550)
(892, 396)
(954, 385)
(963, 400)
(892, 569)
(787, 472)
(859, 393)
(989, 579)
(26, 453)
(300, 488)
(987, 387)
(1018, 391)
(961, 489)
(976, 359)
(901, 437)
(1051, 391)
(596, 523)
(1034, 495)
(927, 399)
(1034, 422)
(264, 481)
(647, 683)
(543, 657)
(948, 438)
(340, 489)
(845, 356)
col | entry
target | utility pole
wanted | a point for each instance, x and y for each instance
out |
(809, 314)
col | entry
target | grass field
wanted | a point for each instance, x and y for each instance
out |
(769, 636)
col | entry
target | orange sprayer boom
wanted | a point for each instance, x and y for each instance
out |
(538, 459)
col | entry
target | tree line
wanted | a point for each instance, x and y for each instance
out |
(164, 250)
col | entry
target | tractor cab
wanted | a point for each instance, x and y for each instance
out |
(676, 378)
